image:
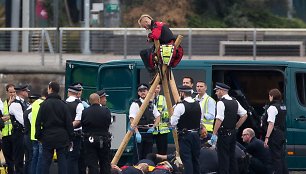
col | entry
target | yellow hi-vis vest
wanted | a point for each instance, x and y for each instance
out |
(7, 130)
(162, 127)
(209, 124)
(35, 109)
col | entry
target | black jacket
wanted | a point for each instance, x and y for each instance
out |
(53, 124)
(257, 150)
(96, 120)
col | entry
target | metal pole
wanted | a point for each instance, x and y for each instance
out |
(254, 44)
(125, 44)
(60, 47)
(25, 24)
(43, 47)
(189, 43)
(86, 49)
(15, 24)
(56, 15)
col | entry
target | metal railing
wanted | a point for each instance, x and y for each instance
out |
(126, 42)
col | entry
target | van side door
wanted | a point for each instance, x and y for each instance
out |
(296, 120)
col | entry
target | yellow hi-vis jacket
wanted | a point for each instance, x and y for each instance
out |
(7, 130)
(162, 127)
(209, 124)
(35, 109)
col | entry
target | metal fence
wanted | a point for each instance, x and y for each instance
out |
(126, 42)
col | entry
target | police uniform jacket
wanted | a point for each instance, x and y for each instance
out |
(277, 115)
(96, 120)
(53, 124)
(187, 115)
(227, 110)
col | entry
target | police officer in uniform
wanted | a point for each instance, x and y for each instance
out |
(162, 130)
(97, 139)
(7, 141)
(76, 107)
(27, 135)
(225, 127)
(275, 136)
(103, 96)
(208, 106)
(143, 143)
(187, 118)
(16, 110)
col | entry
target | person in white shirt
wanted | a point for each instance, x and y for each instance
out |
(225, 127)
(16, 109)
(76, 108)
(208, 106)
(143, 143)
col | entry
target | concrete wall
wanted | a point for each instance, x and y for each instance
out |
(37, 81)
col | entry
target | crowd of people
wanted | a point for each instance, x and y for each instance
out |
(37, 128)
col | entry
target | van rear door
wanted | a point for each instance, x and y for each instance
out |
(119, 82)
(84, 72)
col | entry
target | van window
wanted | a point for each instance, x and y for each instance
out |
(301, 87)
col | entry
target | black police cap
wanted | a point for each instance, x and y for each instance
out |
(222, 86)
(22, 88)
(185, 88)
(77, 85)
(142, 86)
(34, 96)
(101, 93)
(74, 89)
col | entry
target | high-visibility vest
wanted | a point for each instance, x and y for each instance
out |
(209, 124)
(7, 130)
(35, 109)
(162, 127)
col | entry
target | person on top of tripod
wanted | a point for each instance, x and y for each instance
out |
(161, 32)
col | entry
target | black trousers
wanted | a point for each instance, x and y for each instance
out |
(7, 149)
(190, 152)
(161, 141)
(277, 147)
(18, 151)
(141, 150)
(28, 154)
(256, 166)
(226, 146)
(97, 157)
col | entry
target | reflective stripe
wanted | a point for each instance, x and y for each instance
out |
(35, 109)
(162, 127)
(7, 130)
(209, 124)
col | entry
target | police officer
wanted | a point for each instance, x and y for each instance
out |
(225, 127)
(275, 136)
(162, 130)
(97, 140)
(36, 145)
(187, 117)
(76, 107)
(16, 109)
(208, 106)
(27, 115)
(7, 141)
(103, 96)
(143, 143)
